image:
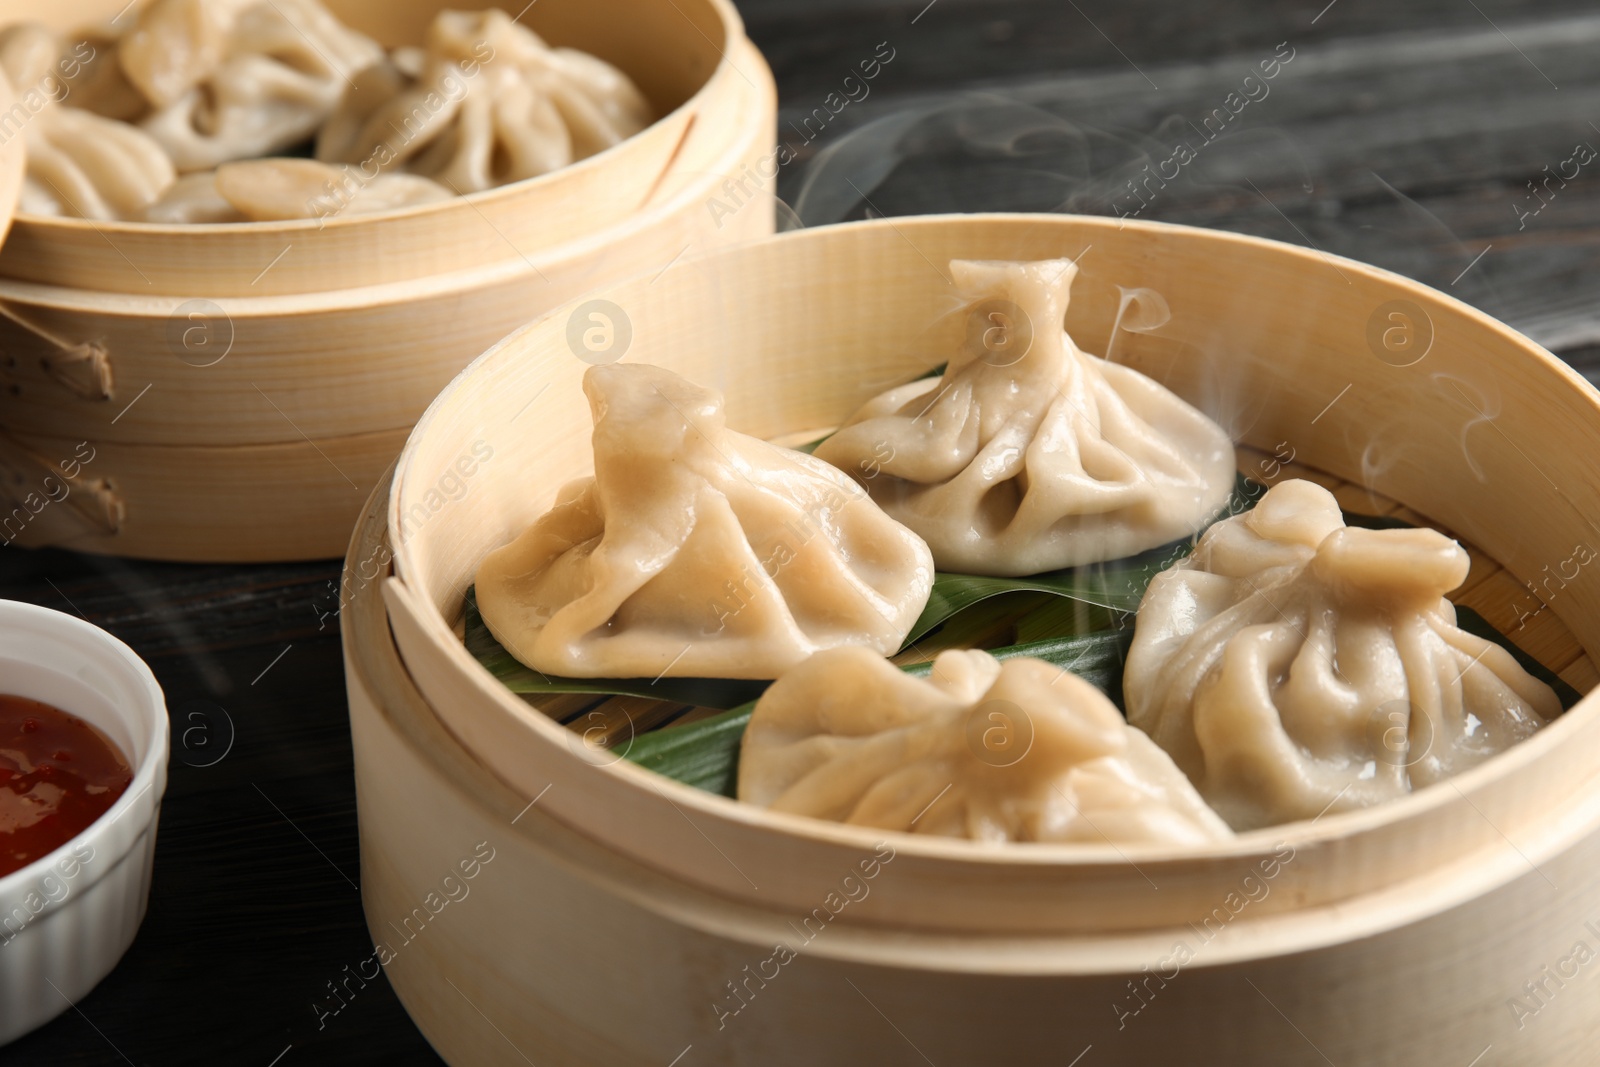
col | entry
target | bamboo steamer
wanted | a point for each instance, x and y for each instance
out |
(1395, 935)
(675, 50)
(203, 345)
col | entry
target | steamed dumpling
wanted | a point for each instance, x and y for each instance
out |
(78, 164)
(1014, 751)
(236, 81)
(1032, 455)
(265, 190)
(1294, 665)
(339, 140)
(102, 85)
(493, 104)
(177, 44)
(46, 70)
(29, 54)
(85, 166)
(276, 190)
(698, 551)
(192, 199)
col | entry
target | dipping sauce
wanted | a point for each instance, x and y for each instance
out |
(58, 774)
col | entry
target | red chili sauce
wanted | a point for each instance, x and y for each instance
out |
(58, 774)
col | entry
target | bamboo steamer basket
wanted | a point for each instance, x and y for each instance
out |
(187, 351)
(674, 50)
(1393, 935)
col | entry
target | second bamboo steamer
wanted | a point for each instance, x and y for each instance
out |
(244, 385)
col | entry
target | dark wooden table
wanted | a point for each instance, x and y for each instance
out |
(1405, 134)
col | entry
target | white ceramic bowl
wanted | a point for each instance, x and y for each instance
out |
(67, 918)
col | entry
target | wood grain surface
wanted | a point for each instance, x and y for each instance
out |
(1404, 134)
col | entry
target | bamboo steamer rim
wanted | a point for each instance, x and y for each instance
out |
(374, 664)
(1330, 833)
(216, 260)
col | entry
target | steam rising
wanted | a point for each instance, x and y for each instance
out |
(1069, 147)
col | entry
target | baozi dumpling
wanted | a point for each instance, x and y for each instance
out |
(1294, 665)
(85, 166)
(698, 551)
(1031, 455)
(241, 81)
(493, 104)
(1013, 751)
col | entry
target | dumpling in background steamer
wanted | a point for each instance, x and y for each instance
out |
(177, 44)
(493, 104)
(85, 166)
(266, 190)
(276, 190)
(697, 551)
(1293, 665)
(102, 86)
(234, 80)
(29, 54)
(47, 70)
(78, 164)
(992, 751)
(1029, 454)
(190, 200)
(369, 89)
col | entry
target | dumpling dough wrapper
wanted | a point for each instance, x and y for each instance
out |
(698, 551)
